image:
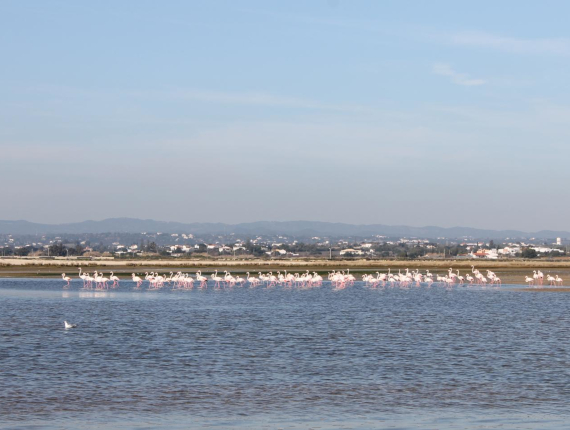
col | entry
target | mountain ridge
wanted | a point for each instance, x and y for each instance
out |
(293, 228)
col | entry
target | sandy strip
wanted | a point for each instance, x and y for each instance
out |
(238, 262)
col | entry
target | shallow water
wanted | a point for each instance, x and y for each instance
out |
(418, 357)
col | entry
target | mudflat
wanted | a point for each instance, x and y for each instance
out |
(510, 271)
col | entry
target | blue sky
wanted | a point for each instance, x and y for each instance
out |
(396, 112)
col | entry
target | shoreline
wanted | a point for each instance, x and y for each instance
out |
(510, 272)
(237, 262)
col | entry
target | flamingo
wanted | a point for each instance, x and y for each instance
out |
(460, 278)
(97, 277)
(229, 279)
(217, 279)
(350, 278)
(115, 280)
(138, 280)
(83, 276)
(189, 282)
(89, 281)
(104, 281)
(159, 280)
(252, 280)
(381, 276)
(529, 280)
(66, 279)
(272, 280)
(202, 279)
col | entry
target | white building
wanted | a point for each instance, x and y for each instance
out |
(183, 248)
(278, 252)
(491, 254)
(351, 251)
(545, 250)
(510, 251)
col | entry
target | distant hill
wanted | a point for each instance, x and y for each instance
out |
(291, 228)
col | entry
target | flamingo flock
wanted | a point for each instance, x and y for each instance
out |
(338, 279)
(537, 279)
(415, 277)
(96, 281)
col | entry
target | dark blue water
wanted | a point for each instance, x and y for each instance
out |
(283, 358)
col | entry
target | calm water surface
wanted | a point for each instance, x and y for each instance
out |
(422, 357)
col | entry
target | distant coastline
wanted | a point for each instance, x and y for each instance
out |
(291, 228)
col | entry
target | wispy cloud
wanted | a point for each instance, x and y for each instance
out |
(456, 77)
(256, 99)
(553, 46)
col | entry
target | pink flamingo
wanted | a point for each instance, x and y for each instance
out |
(83, 276)
(66, 279)
(202, 279)
(252, 280)
(115, 280)
(217, 279)
(138, 280)
(104, 281)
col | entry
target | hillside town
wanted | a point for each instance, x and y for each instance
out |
(181, 245)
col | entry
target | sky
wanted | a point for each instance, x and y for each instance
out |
(399, 112)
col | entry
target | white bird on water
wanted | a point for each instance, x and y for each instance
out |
(67, 325)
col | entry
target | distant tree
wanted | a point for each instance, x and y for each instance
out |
(22, 252)
(151, 247)
(415, 253)
(256, 250)
(101, 247)
(57, 250)
(491, 244)
(202, 247)
(7, 251)
(529, 253)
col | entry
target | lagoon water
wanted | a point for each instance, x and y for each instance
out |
(419, 357)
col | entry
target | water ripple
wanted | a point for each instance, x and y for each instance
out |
(318, 355)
